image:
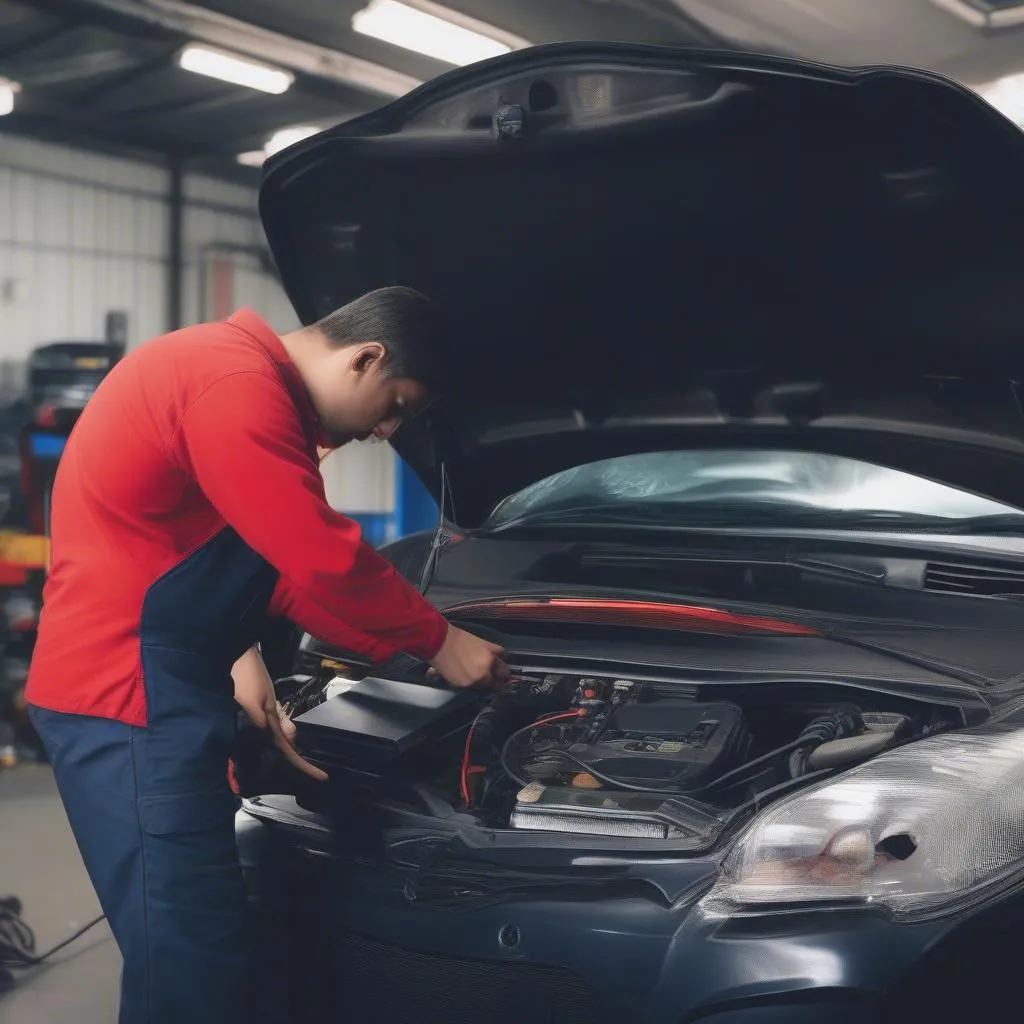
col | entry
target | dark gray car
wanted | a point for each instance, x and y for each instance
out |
(732, 465)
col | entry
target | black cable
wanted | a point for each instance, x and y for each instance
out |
(600, 776)
(71, 938)
(737, 774)
(437, 541)
(18, 941)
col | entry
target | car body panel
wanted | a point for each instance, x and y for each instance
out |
(643, 249)
(643, 960)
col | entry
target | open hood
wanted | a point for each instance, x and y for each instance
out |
(642, 248)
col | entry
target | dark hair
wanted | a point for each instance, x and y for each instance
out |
(406, 323)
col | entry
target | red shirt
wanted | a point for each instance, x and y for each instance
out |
(204, 428)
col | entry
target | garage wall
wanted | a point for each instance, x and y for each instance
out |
(223, 268)
(82, 234)
(79, 234)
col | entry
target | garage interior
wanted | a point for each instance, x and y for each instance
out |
(129, 169)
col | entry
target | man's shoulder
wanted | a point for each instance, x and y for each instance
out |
(194, 358)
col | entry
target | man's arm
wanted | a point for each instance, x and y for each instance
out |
(244, 445)
(254, 692)
(290, 603)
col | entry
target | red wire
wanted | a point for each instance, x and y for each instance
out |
(558, 716)
(464, 775)
(543, 720)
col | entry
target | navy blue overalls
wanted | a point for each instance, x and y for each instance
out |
(151, 808)
(191, 472)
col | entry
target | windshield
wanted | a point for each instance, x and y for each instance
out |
(726, 487)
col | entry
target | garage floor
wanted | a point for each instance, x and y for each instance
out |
(39, 863)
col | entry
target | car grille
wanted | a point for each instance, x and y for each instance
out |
(376, 981)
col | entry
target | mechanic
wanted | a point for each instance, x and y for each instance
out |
(187, 508)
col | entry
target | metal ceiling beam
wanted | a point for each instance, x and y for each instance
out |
(174, 108)
(26, 44)
(176, 247)
(132, 74)
(219, 30)
(64, 124)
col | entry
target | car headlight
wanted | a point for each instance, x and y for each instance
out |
(923, 830)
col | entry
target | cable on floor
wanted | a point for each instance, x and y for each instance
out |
(18, 941)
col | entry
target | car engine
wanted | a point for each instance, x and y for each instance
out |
(625, 757)
(601, 755)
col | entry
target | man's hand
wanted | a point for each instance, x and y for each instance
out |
(466, 660)
(254, 691)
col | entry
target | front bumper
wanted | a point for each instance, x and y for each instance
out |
(347, 942)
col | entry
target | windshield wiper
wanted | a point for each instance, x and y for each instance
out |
(581, 514)
(962, 675)
(1007, 523)
(757, 514)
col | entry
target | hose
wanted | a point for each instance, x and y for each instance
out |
(835, 725)
(845, 751)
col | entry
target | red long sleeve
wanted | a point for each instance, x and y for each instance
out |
(289, 603)
(243, 443)
(203, 429)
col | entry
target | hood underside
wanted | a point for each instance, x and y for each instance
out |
(641, 248)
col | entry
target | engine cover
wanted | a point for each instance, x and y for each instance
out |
(667, 742)
(375, 722)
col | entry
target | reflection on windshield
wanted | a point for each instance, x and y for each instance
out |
(748, 478)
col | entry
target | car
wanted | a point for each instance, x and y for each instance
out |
(732, 466)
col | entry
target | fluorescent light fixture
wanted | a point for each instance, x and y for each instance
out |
(435, 31)
(288, 137)
(252, 158)
(8, 90)
(986, 14)
(281, 139)
(1007, 96)
(228, 68)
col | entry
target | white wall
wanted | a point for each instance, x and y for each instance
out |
(79, 234)
(221, 222)
(360, 478)
(82, 234)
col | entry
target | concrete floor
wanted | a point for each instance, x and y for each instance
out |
(39, 863)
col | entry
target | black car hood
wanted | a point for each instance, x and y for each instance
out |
(642, 248)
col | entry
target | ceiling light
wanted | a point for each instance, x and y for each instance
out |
(252, 158)
(281, 139)
(215, 30)
(288, 137)
(434, 31)
(986, 14)
(1007, 96)
(228, 68)
(8, 90)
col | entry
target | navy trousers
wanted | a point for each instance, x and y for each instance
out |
(165, 867)
(151, 808)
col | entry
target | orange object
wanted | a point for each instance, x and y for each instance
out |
(21, 554)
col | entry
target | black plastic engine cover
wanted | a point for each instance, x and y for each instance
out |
(665, 741)
(377, 721)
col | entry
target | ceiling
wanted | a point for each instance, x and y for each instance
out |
(932, 34)
(104, 73)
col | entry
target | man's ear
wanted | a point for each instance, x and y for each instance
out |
(368, 355)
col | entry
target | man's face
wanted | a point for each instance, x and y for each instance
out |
(356, 400)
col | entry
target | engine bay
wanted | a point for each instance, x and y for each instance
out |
(599, 755)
